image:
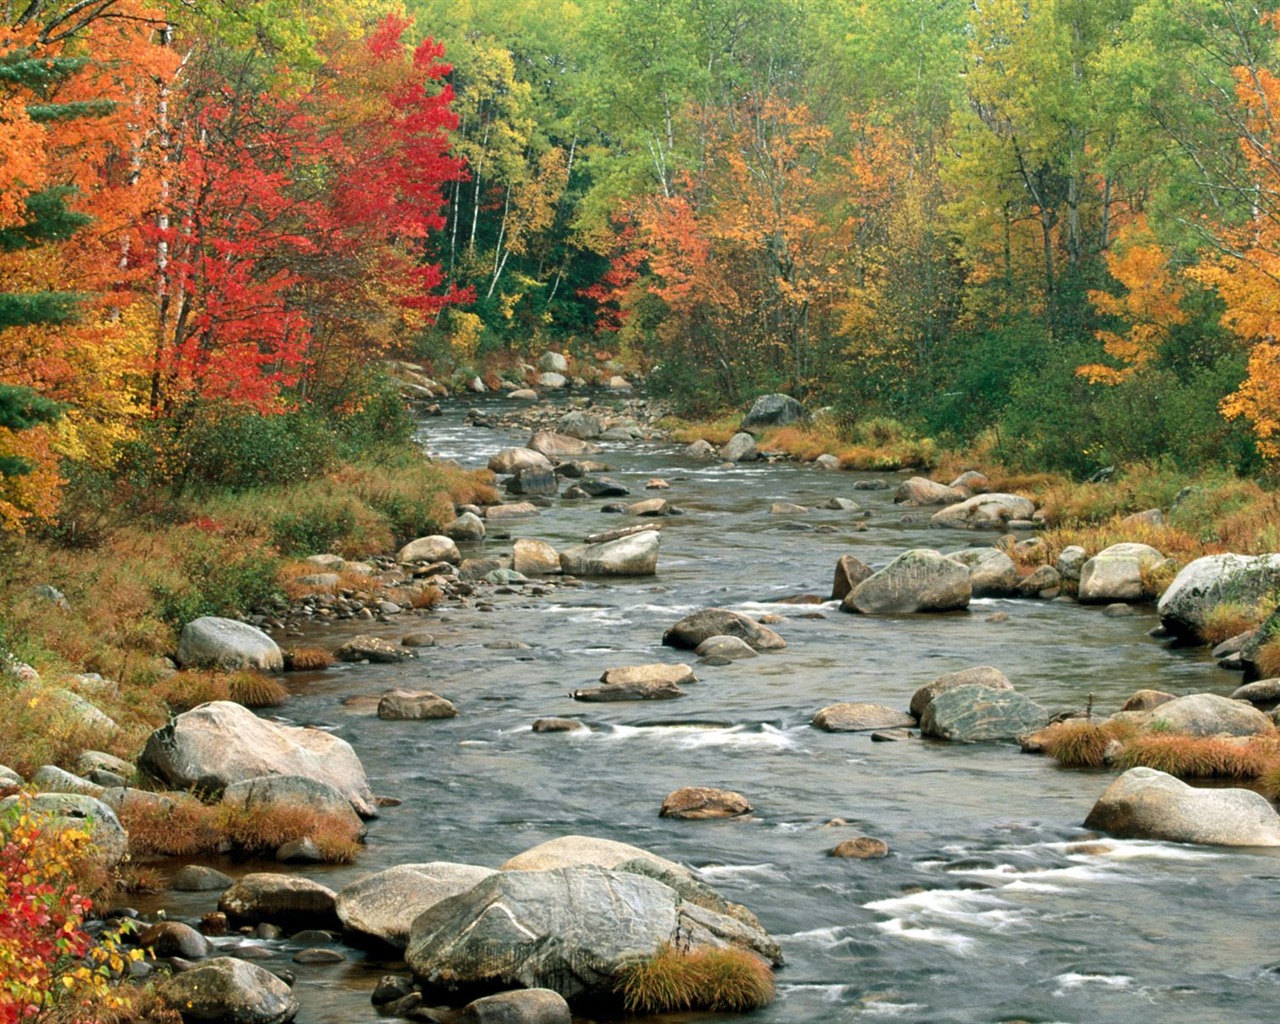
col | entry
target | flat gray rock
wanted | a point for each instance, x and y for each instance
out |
(977, 714)
(383, 905)
(920, 580)
(856, 717)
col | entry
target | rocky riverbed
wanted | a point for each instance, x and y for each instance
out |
(953, 860)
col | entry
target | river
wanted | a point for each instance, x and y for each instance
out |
(983, 911)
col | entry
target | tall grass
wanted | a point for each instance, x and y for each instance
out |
(729, 980)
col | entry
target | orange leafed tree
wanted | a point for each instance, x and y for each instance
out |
(1150, 306)
(1246, 269)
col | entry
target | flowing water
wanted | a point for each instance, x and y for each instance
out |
(984, 911)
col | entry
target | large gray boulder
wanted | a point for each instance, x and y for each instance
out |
(212, 642)
(920, 490)
(383, 905)
(633, 555)
(1216, 579)
(436, 548)
(214, 745)
(1147, 804)
(512, 460)
(984, 512)
(977, 714)
(981, 675)
(1115, 573)
(739, 448)
(920, 580)
(992, 573)
(568, 929)
(1203, 714)
(553, 362)
(693, 629)
(286, 900)
(229, 991)
(773, 411)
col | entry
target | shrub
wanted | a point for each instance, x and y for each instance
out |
(49, 964)
(315, 528)
(307, 659)
(703, 979)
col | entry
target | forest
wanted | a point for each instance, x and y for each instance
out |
(1044, 228)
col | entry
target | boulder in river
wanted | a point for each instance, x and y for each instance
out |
(977, 714)
(1203, 714)
(700, 449)
(229, 991)
(290, 901)
(511, 460)
(992, 573)
(533, 481)
(569, 851)
(383, 905)
(850, 571)
(570, 929)
(984, 512)
(519, 1006)
(212, 642)
(633, 555)
(216, 744)
(1205, 583)
(855, 717)
(860, 848)
(740, 448)
(729, 648)
(1115, 573)
(773, 411)
(659, 672)
(467, 527)
(603, 487)
(535, 558)
(920, 580)
(920, 490)
(436, 548)
(639, 689)
(561, 446)
(414, 705)
(1148, 804)
(693, 629)
(981, 675)
(373, 649)
(700, 803)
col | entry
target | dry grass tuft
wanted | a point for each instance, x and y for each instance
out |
(190, 688)
(307, 659)
(264, 828)
(717, 432)
(1081, 744)
(180, 826)
(427, 597)
(1267, 660)
(1202, 757)
(729, 980)
(255, 690)
(1226, 620)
